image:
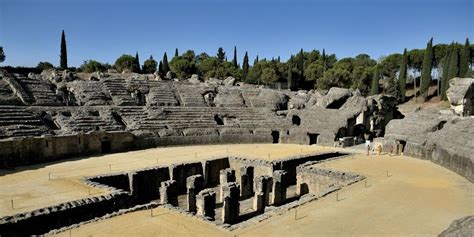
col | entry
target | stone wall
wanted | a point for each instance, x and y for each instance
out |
(32, 150)
(54, 217)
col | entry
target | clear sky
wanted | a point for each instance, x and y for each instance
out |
(104, 29)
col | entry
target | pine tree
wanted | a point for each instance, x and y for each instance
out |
(402, 78)
(374, 88)
(221, 54)
(426, 69)
(245, 66)
(63, 55)
(444, 79)
(464, 60)
(176, 54)
(234, 60)
(136, 64)
(166, 67)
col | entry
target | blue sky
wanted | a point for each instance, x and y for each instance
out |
(104, 29)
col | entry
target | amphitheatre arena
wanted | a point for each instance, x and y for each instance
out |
(123, 154)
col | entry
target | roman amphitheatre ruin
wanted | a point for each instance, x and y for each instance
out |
(120, 154)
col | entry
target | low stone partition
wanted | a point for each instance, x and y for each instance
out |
(180, 172)
(145, 183)
(119, 181)
(43, 220)
(212, 169)
(319, 182)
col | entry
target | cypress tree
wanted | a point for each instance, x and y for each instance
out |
(245, 66)
(63, 55)
(453, 70)
(136, 64)
(464, 60)
(176, 54)
(444, 79)
(402, 78)
(255, 61)
(234, 60)
(290, 79)
(300, 67)
(160, 68)
(426, 69)
(324, 60)
(374, 88)
(166, 67)
(278, 59)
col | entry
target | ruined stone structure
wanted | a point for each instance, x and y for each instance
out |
(61, 114)
(194, 185)
(231, 205)
(206, 204)
(169, 192)
(279, 187)
(461, 96)
(443, 138)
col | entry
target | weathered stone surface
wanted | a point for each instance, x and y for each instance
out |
(246, 181)
(334, 97)
(194, 79)
(169, 192)
(279, 187)
(229, 81)
(431, 135)
(461, 95)
(231, 205)
(460, 228)
(194, 185)
(263, 186)
(206, 204)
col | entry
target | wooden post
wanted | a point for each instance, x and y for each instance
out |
(110, 167)
(296, 214)
(337, 197)
(13, 207)
(195, 155)
(49, 176)
(365, 183)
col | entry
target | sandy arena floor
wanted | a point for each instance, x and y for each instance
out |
(418, 198)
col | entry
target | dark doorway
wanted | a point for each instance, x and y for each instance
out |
(401, 146)
(313, 138)
(105, 145)
(296, 120)
(218, 120)
(276, 136)
(304, 189)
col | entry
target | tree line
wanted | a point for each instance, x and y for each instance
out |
(309, 69)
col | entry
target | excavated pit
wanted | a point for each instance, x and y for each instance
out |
(235, 183)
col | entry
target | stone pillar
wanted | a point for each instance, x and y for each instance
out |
(246, 181)
(169, 192)
(259, 202)
(263, 186)
(225, 176)
(231, 205)
(279, 187)
(194, 185)
(206, 204)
